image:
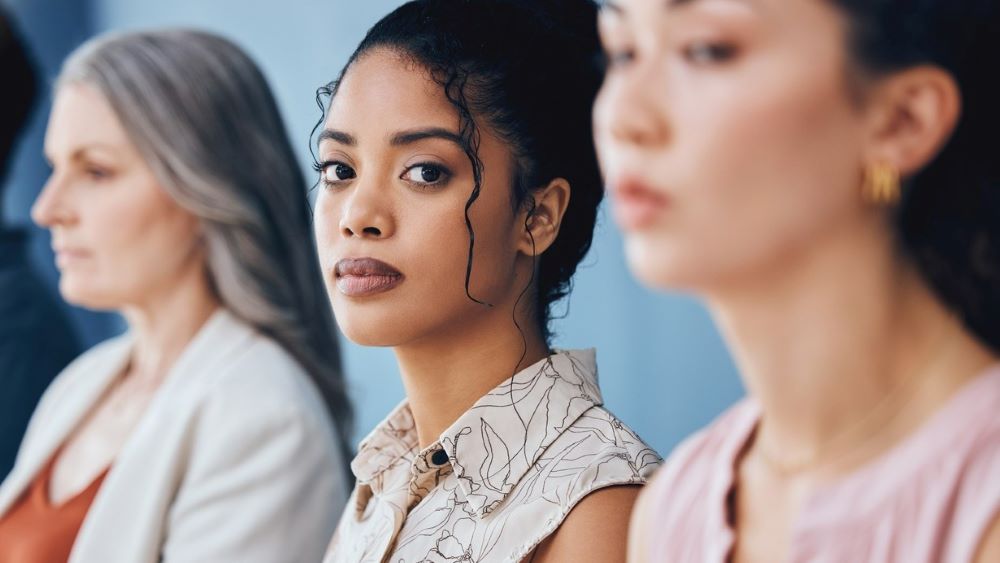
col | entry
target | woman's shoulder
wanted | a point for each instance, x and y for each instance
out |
(261, 362)
(688, 493)
(232, 379)
(256, 397)
(603, 443)
(261, 377)
(90, 368)
(242, 364)
(696, 463)
(102, 355)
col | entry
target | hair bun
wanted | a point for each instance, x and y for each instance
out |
(572, 18)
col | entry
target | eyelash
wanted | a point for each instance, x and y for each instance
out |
(709, 52)
(96, 173)
(700, 53)
(613, 59)
(445, 174)
(321, 168)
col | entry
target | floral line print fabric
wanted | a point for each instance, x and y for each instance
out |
(499, 480)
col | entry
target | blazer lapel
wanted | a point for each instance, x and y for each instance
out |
(206, 354)
(85, 382)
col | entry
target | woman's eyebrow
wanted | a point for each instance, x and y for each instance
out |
(338, 136)
(677, 3)
(399, 138)
(410, 136)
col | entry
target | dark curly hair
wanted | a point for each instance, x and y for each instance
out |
(949, 219)
(529, 71)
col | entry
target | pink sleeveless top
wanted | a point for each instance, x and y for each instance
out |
(928, 500)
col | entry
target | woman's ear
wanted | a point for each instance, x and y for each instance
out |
(914, 113)
(543, 218)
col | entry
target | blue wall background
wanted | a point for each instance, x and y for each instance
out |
(663, 368)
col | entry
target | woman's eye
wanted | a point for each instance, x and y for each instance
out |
(618, 58)
(336, 172)
(96, 173)
(425, 174)
(707, 52)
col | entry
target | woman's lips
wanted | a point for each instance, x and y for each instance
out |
(637, 205)
(66, 257)
(360, 277)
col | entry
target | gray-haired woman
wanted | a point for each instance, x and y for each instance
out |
(214, 429)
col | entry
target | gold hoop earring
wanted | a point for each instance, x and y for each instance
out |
(881, 185)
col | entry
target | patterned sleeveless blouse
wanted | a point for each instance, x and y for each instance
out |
(498, 481)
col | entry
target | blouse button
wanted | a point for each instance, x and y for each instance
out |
(440, 457)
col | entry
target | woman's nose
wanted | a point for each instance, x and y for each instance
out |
(366, 213)
(50, 207)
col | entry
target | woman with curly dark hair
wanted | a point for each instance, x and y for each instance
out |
(825, 174)
(459, 192)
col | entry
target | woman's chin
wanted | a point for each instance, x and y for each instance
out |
(83, 295)
(366, 335)
(655, 266)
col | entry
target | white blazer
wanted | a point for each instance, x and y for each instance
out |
(235, 459)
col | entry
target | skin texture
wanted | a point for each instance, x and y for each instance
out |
(785, 203)
(990, 548)
(379, 98)
(375, 202)
(596, 530)
(123, 244)
(752, 129)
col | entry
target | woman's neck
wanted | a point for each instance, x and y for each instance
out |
(165, 323)
(846, 352)
(445, 374)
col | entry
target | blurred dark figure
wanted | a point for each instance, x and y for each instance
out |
(36, 341)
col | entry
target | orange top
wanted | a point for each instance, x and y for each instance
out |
(36, 531)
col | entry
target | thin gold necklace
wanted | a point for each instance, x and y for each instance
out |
(790, 465)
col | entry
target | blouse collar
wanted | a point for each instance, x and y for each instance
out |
(494, 444)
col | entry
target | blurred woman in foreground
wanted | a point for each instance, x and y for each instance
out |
(825, 175)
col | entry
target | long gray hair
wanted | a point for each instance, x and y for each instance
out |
(201, 114)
